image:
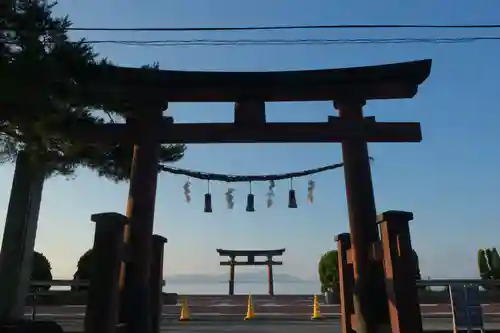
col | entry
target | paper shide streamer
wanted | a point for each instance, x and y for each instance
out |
(310, 190)
(230, 198)
(187, 190)
(270, 193)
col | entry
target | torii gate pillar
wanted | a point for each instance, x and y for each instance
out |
(135, 273)
(369, 275)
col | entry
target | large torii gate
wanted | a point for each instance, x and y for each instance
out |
(250, 261)
(146, 128)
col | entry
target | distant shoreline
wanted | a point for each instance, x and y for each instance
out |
(250, 278)
(240, 287)
(187, 281)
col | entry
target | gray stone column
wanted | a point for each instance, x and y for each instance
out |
(19, 237)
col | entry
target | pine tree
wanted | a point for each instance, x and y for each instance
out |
(40, 94)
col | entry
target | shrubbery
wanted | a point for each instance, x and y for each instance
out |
(40, 271)
(83, 270)
(329, 272)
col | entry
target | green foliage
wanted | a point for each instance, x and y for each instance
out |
(416, 264)
(83, 270)
(114, 162)
(418, 275)
(329, 272)
(44, 94)
(34, 63)
(40, 271)
(482, 263)
(488, 262)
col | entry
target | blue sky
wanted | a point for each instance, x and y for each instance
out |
(450, 180)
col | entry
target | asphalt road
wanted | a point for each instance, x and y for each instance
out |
(260, 307)
(262, 325)
(270, 317)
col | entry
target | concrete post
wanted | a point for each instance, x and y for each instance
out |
(156, 281)
(399, 265)
(102, 306)
(346, 277)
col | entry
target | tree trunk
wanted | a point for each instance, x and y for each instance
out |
(19, 237)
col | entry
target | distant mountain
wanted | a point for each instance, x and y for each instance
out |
(256, 277)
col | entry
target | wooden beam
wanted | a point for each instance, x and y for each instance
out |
(246, 263)
(256, 253)
(286, 93)
(332, 131)
(249, 112)
(399, 80)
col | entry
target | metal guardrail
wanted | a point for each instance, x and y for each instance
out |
(53, 283)
(64, 283)
(447, 282)
(84, 283)
(433, 282)
(59, 283)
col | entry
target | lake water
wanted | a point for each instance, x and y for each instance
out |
(222, 288)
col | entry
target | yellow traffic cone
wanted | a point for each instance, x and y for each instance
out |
(250, 313)
(316, 312)
(185, 311)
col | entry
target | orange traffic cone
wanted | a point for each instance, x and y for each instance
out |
(250, 313)
(185, 316)
(316, 311)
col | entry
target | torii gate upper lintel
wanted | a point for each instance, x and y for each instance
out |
(350, 88)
